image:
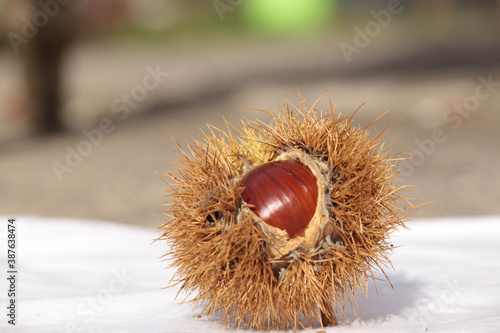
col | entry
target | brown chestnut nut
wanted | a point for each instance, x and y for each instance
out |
(283, 194)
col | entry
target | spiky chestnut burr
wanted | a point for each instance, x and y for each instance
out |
(273, 227)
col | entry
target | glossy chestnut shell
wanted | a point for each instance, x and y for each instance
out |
(283, 194)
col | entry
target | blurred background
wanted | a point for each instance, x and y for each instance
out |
(92, 92)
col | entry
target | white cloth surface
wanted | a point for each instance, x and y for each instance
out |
(94, 276)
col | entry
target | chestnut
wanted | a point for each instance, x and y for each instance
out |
(280, 225)
(284, 194)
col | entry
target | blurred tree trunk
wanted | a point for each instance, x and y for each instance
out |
(42, 57)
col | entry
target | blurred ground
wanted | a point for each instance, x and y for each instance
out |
(209, 80)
